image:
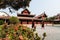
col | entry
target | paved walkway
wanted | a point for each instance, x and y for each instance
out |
(53, 33)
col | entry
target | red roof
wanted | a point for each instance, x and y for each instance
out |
(25, 15)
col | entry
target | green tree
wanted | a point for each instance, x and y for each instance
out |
(15, 4)
(14, 20)
(52, 18)
(1, 22)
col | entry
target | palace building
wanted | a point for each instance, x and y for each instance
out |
(25, 17)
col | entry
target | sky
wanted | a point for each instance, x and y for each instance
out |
(37, 7)
(51, 7)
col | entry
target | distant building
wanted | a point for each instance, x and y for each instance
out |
(57, 17)
(42, 16)
(3, 13)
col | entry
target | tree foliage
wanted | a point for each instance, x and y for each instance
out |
(14, 20)
(15, 4)
(50, 18)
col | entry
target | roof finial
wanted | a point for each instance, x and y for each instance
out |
(44, 12)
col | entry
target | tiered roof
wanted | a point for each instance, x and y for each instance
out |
(41, 15)
(25, 13)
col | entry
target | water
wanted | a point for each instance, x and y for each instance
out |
(53, 32)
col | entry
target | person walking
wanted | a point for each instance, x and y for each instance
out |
(42, 24)
(32, 24)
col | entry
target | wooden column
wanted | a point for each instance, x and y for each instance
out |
(27, 21)
(21, 22)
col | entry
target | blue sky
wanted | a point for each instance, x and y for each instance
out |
(37, 7)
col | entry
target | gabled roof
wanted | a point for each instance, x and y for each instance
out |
(57, 16)
(26, 11)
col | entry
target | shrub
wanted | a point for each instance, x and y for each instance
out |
(44, 35)
(21, 33)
